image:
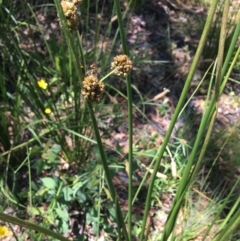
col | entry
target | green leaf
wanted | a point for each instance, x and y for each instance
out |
(77, 186)
(56, 148)
(36, 210)
(50, 218)
(52, 157)
(39, 165)
(62, 213)
(81, 196)
(48, 182)
(65, 227)
(41, 191)
(68, 193)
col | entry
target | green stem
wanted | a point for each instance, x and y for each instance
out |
(220, 211)
(130, 156)
(168, 228)
(22, 223)
(221, 48)
(130, 121)
(229, 56)
(107, 172)
(106, 76)
(230, 227)
(186, 179)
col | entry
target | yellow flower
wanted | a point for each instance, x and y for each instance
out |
(47, 111)
(4, 231)
(42, 84)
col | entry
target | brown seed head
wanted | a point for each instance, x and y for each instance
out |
(122, 64)
(70, 10)
(76, 2)
(92, 88)
(93, 70)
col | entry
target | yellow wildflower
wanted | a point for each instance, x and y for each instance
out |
(42, 84)
(47, 111)
(4, 231)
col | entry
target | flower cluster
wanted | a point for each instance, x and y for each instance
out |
(93, 70)
(70, 10)
(92, 88)
(122, 65)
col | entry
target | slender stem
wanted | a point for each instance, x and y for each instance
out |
(28, 225)
(121, 28)
(221, 48)
(29, 178)
(107, 172)
(220, 210)
(130, 156)
(186, 180)
(105, 77)
(130, 121)
(232, 225)
(218, 80)
(229, 54)
(168, 229)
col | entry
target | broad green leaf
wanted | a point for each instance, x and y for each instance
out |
(36, 210)
(48, 182)
(62, 213)
(41, 191)
(81, 196)
(68, 193)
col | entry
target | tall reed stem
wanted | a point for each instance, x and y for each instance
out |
(130, 121)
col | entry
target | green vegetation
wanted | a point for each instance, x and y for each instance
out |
(74, 118)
